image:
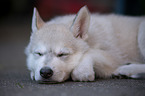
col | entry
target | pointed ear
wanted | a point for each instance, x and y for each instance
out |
(37, 22)
(81, 23)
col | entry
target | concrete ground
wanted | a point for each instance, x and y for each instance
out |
(15, 79)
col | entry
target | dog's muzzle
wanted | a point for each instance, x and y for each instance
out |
(46, 72)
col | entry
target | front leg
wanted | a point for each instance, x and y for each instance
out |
(131, 70)
(84, 71)
(96, 62)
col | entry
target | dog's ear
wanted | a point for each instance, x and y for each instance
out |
(37, 21)
(81, 23)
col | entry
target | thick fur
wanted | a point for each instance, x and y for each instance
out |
(91, 45)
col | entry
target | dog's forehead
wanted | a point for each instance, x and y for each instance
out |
(53, 35)
(53, 32)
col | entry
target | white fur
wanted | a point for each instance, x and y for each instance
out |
(94, 44)
(141, 38)
(130, 70)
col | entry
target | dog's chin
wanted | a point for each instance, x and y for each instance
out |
(52, 79)
(47, 81)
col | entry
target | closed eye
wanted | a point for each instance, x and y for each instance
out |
(62, 54)
(39, 54)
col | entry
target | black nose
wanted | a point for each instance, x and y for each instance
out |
(46, 72)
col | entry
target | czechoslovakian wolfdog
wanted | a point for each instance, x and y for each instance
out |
(85, 46)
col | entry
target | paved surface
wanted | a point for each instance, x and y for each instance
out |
(15, 79)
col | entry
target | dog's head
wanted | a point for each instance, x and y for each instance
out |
(56, 49)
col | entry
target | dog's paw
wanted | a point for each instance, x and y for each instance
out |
(139, 76)
(81, 74)
(125, 70)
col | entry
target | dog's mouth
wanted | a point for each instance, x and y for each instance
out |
(50, 81)
(47, 81)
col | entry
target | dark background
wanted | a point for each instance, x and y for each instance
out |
(19, 12)
(49, 8)
(15, 30)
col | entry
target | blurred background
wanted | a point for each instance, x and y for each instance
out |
(49, 8)
(15, 22)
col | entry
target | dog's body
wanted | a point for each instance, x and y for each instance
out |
(86, 46)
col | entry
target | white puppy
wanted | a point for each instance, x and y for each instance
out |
(85, 46)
